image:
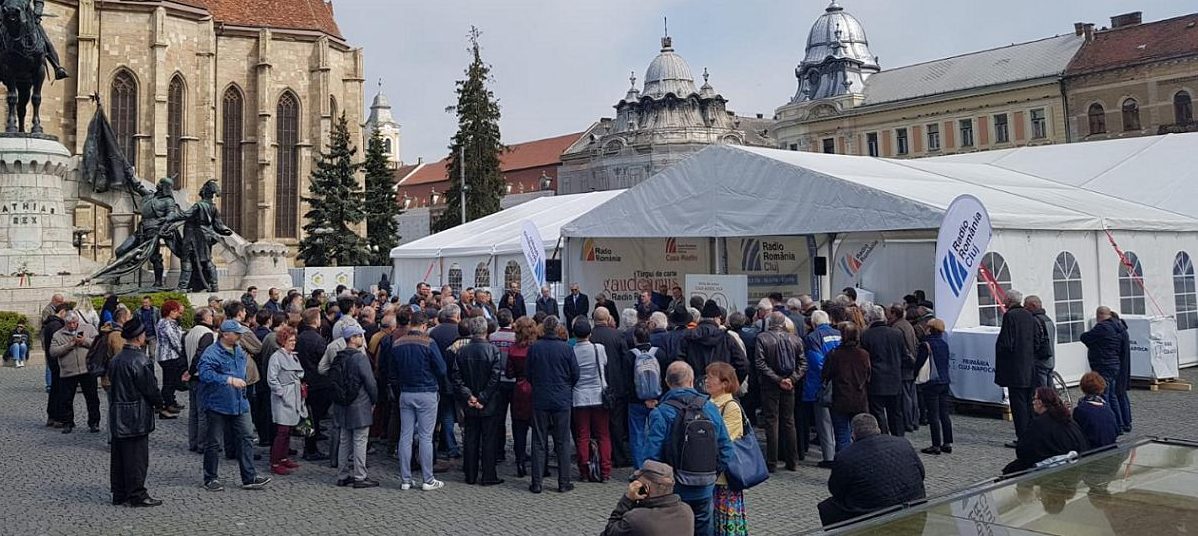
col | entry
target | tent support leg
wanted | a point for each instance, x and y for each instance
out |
(812, 253)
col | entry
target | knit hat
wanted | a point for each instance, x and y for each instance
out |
(711, 310)
(351, 330)
(132, 328)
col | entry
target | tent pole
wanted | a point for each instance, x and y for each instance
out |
(812, 253)
(831, 255)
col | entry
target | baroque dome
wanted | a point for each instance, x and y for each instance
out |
(668, 73)
(837, 33)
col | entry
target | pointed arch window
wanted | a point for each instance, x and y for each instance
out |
(1131, 293)
(287, 166)
(122, 108)
(232, 157)
(175, 106)
(1067, 293)
(1097, 117)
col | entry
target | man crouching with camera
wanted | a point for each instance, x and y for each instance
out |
(650, 507)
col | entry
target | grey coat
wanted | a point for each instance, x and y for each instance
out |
(592, 364)
(358, 414)
(284, 376)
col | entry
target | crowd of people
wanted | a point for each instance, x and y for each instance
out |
(665, 387)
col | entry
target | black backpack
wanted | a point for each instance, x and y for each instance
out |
(99, 355)
(345, 383)
(693, 450)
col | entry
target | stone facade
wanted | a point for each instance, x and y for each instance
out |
(35, 226)
(213, 56)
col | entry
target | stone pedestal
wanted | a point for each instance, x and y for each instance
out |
(35, 226)
(266, 266)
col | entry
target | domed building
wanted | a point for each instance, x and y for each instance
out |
(992, 99)
(655, 126)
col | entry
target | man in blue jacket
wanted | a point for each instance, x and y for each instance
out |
(681, 379)
(552, 370)
(1104, 346)
(416, 370)
(222, 372)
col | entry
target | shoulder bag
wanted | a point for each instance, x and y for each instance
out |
(747, 466)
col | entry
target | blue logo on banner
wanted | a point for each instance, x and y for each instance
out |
(954, 273)
(750, 255)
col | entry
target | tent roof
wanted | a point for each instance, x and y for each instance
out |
(743, 191)
(499, 233)
(1158, 171)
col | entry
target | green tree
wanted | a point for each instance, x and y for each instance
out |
(478, 138)
(335, 205)
(382, 232)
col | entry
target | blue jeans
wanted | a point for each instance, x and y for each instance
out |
(18, 351)
(446, 415)
(1116, 399)
(842, 430)
(638, 422)
(243, 433)
(417, 417)
(702, 509)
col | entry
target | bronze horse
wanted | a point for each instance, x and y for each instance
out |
(22, 63)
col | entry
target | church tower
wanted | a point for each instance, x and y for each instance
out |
(381, 118)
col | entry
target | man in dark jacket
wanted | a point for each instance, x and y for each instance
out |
(602, 301)
(516, 299)
(1015, 361)
(133, 398)
(618, 374)
(1104, 348)
(650, 507)
(444, 334)
(645, 305)
(1046, 342)
(748, 331)
(546, 303)
(896, 316)
(552, 370)
(50, 326)
(310, 346)
(669, 339)
(873, 473)
(354, 419)
(415, 370)
(887, 351)
(223, 377)
(475, 375)
(781, 364)
(576, 304)
(709, 342)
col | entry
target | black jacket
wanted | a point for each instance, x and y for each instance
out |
(668, 342)
(611, 308)
(1046, 340)
(310, 347)
(1124, 357)
(476, 373)
(575, 305)
(876, 472)
(619, 370)
(1046, 437)
(133, 395)
(1104, 346)
(517, 306)
(547, 305)
(887, 351)
(769, 350)
(1015, 350)
(552, 370)
(49, 328)
(708, 343)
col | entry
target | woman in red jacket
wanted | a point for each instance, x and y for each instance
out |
(526, 334)
(846, 369)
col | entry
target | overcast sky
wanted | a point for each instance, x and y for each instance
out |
(559, 65)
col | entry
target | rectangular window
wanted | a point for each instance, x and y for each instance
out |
(900, 135)
(1039, 124)
(871, 141)
(933, 137)
(966, 127)
(1001, 134)
(830, 145)
(794, 146)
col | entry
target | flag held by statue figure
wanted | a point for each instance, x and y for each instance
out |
(104, 165)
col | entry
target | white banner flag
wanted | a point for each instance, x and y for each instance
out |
(534, 251)
(963, 239)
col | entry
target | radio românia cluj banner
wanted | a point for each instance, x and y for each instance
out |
(963, 239)
(773, 264)
(620, 268)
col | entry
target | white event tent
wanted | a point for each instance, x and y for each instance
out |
(487, 252)
(770, 213)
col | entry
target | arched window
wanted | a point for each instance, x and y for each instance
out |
(1067, 292)
(122, 107)
(1131, 290)
(287, 166)
(1131, 115)
(455, 278)
(1097, 119)
(1184, 294)
(1183, 108)
(511, 274)
(989, 311)
(333, 107)
(232, 157)
(482, 275)
(387, 146)
(175, 105)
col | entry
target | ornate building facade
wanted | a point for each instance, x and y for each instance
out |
(847, 104)
(241, 91)
(1134, 79)
(655, 127)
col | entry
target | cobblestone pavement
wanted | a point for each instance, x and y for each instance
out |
(58, 484)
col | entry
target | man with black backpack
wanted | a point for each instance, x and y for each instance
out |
(354, 396)
(687, 432)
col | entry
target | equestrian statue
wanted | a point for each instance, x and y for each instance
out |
(24, 51)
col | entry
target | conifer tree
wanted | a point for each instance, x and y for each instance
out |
(382, 232)
(335, 204)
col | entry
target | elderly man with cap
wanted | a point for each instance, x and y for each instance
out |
(650, 507)
(335, 346)
(351, 369)
(134, 391)
(222, 371)
(69, 346)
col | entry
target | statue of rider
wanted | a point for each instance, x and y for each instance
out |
(202, 225)
(39, 8)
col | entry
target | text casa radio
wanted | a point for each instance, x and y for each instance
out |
(680, 251)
